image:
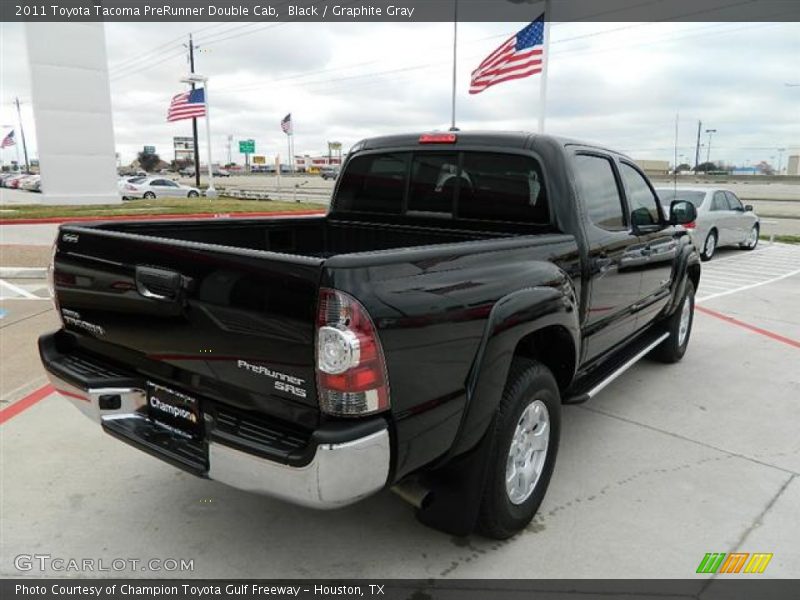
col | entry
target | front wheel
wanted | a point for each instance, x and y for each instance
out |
(751, 241)
(193, 194)
(149, 195)
(527, 427)
(679, 327)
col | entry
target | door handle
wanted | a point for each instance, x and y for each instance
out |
(158, 284)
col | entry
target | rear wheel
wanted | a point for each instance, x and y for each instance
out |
(526, 429)
(149, 195)
(710, 245)
(751, 241)
(679, 327)
(193, 194)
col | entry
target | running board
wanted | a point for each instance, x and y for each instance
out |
(594, 383)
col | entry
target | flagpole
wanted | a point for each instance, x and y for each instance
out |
(455, 60)
(545, 63)
(210, 192)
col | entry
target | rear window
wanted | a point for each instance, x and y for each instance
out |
(374, 183)
(468, 185)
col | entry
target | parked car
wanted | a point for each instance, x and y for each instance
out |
(32, 183)
(421, 336)
(220, 173)
(329, 172)
(722, 220)
(14, 181)
(157, 187)
(129, 179)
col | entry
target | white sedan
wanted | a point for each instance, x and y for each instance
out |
(157, 187)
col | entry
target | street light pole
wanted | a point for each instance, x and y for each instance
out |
(780, 159)
(710, 132)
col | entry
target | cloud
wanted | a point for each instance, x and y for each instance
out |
(618, 84)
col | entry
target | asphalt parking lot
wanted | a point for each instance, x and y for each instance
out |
(667, 464)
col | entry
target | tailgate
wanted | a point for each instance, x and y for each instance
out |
(232, 324)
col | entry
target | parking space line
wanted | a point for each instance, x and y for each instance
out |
(746, 287)
(753, 328)
(19, 291)
(25, 403)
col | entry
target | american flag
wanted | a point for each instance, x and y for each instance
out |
(286, 124)
(8, 140)
(520, 56)
(188, 105)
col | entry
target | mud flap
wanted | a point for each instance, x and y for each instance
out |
(456, 490)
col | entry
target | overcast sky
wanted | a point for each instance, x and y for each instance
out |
(618, 84)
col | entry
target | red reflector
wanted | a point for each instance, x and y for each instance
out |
(438, 138)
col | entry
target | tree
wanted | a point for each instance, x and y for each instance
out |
(765, 168)
(706, 167)
(684, 167)
(181, 164)
(148, 162)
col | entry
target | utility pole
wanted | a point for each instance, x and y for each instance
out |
(194, 120)
(22, 135)
(697, 150)
(230, 151)
(780, 159)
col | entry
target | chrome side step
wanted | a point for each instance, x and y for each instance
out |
(592, 388)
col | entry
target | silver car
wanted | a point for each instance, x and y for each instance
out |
(722, 220)
(156, 187)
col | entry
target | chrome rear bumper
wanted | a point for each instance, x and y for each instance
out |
(337, 475)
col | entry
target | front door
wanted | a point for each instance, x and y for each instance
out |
(658, 242)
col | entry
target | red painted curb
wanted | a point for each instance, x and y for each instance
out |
(25, 403)
(775, 336)
(233, 215)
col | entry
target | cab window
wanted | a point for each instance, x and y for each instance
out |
(642, 202)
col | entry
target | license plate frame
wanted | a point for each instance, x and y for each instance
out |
(175, 411)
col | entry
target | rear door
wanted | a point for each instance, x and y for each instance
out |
(233, 324)
(722, 219)
(614, 254)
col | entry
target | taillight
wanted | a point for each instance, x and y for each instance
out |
(691, 225)
(51, 278)
(130, 188)
(351, 371)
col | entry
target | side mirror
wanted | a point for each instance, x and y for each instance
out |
(681, 212)
(748, 208)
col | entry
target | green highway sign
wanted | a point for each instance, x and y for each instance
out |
(247, 146)
(149, 149)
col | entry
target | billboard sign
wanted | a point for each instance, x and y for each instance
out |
(184, 148)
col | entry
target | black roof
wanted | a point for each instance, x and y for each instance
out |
(510, 139)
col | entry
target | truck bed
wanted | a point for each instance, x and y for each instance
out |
(311, 237)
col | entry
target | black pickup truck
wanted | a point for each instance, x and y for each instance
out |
(420, 336)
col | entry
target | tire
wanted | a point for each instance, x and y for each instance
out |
(672, 349)
(531, 390)
(193, 194)
(710, 245)
(752, 239)
(149, 195)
